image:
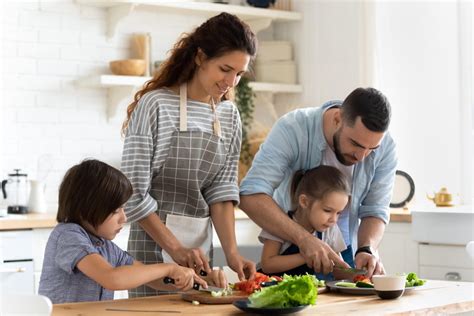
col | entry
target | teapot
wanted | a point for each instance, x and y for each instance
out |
(15, 191)
(442, 198)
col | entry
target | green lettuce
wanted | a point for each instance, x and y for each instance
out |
(413, 280)
(291, 291)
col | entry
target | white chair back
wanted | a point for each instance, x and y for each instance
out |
(20, 304)
(470, 249)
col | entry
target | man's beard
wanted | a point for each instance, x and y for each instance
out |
(337, 149)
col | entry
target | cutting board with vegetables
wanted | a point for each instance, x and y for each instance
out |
(207, 298)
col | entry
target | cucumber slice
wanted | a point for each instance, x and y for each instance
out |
(364, 285)
(345, 284)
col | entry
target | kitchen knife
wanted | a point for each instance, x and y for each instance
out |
(196, 286)
(351, 270)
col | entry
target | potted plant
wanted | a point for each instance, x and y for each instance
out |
(244, 98)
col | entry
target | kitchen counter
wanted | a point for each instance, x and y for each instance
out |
(48, 220)
(28, 221)
(436, 297)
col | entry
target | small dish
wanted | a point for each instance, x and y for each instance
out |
(244, 306)
(389, 286)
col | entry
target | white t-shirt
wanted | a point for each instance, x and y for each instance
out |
(330, 159)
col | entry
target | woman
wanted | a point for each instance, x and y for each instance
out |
(181, 151)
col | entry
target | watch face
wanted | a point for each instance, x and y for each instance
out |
(403, 189)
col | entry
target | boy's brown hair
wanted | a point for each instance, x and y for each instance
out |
(90, 192)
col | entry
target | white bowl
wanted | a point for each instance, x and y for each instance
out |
(389, 286)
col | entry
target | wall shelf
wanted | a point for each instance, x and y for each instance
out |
(122, 88)
(257, 18)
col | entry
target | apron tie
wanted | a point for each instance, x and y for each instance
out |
(215, 124)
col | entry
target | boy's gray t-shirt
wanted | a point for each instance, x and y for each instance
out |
(61, 281)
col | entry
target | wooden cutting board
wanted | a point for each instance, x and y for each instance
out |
(207, 298)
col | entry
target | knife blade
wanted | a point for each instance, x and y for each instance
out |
(196, 286)
(351, 270)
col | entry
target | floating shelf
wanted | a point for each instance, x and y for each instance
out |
(257, 18)
(121, 88)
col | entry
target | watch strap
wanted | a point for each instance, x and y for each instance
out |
(366, 249)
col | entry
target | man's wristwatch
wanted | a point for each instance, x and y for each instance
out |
(366, 249)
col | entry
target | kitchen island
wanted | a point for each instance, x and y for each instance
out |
(436, 297)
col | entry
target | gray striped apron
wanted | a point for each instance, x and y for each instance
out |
(193, 161)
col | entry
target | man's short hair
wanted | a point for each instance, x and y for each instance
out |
(372, 107)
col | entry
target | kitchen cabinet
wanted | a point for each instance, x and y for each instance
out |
(16, 262)
(446, 262)
(398, 251)
(442, 235)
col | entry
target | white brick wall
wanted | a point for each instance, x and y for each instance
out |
(45, 47)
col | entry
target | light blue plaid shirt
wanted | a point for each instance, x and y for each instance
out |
(297, 142)
(60, 280)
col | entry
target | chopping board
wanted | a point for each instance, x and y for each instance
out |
(207, 298)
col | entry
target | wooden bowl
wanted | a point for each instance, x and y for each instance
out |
(128, 67)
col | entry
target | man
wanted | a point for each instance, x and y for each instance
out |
(351, 136)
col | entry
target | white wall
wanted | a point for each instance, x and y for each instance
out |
(416, 60)
(46, 46)
(418, 53)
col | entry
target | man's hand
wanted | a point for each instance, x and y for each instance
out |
(370, 262)
(193, 258)
(319, 255)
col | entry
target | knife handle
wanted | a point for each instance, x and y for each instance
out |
(168, 280)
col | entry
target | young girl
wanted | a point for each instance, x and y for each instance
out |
(81, 263)
(320, 195)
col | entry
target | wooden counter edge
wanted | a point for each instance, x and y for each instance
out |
(29, 221)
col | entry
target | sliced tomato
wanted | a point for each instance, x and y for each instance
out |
(250, 286)
(276, 278)
(358, 277)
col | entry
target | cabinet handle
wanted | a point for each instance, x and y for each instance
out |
(17, 270)
(452, 276)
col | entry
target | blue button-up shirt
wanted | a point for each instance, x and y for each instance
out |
(297, 142)
(61, 281)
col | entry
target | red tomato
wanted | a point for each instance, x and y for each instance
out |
(277, 278)
(359, 277)
(251, 286)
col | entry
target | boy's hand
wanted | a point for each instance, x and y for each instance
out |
(184, 278)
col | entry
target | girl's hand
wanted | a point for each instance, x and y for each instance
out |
(217, 278)
(244, 268)
(184, 278)
(193, 258)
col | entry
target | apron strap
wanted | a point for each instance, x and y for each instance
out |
(183, 113)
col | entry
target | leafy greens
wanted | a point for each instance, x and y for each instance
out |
(290, 292)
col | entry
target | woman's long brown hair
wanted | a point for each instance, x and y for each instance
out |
(221, 34)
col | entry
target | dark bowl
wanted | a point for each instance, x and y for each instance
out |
(389, 295)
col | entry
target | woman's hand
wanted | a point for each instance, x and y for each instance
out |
(191, 257)
(184, 278)
(244, 268)
(216, 278)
